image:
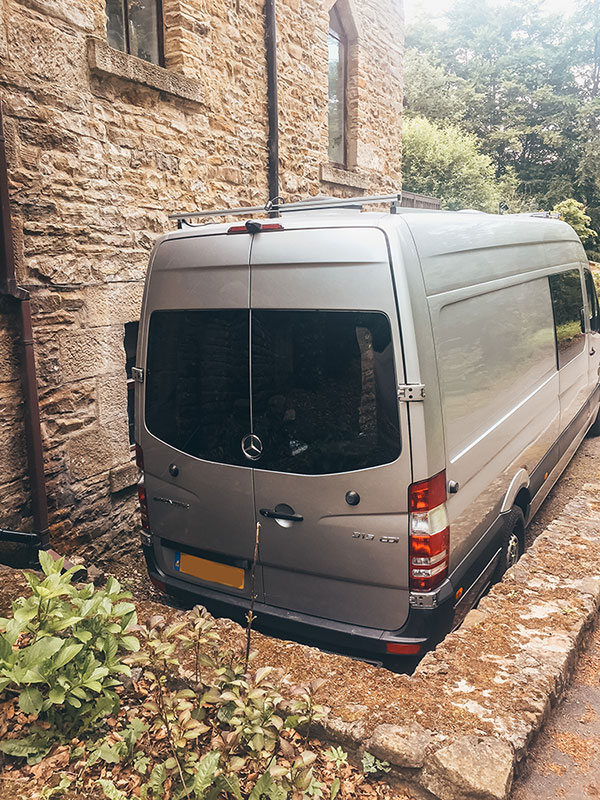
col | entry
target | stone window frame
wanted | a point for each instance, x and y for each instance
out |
(331, 172)
(106, 61)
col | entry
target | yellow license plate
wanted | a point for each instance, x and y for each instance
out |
(209, 570)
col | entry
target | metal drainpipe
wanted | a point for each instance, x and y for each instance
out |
(272, 103)
(40, 537)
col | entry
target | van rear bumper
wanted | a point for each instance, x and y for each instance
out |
(420, 628)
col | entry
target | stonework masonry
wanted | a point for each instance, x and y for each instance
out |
(102, 146)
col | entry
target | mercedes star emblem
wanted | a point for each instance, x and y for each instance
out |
(252, 446)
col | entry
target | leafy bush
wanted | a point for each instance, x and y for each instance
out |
(198, 723)
(444, 161)
(61, 653)
(573, 212)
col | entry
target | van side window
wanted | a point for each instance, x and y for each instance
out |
(592, 298)
(567, 305)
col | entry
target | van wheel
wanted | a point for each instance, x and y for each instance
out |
(512, 542)
(595, 427)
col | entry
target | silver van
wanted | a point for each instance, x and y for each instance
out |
(391, 395)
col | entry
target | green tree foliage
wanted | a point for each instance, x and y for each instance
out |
(574, 213)
(446, 162)
(526, 83)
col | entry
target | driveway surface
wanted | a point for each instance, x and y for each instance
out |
(565, 761)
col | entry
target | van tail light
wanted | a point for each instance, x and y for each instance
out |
(143, 506)
(429, 537)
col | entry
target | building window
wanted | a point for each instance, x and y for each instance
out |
(136, 27)
(130, 344)
(338, 69)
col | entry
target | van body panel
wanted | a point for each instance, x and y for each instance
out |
(500, 405)
(347, 563)
(468, 249)
(207, 505)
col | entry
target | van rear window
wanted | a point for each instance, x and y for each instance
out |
(197, 382)
(321, 390)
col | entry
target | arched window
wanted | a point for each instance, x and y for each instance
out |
(338, 80)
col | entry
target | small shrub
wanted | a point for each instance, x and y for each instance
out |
(371, 765)
(61, 653)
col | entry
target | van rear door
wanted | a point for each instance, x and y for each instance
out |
(196, 411)
(334, 466)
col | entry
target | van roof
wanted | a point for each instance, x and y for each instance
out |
(455, 248)
(434, 231)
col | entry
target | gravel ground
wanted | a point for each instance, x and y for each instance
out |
(584, 468)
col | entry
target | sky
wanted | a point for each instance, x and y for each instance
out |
(412, 7)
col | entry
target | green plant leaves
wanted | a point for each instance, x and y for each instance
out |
(67, 652)
(230, 784)
(30, 700)
(157, 780)
(205, 773)
(335, 788)
(33, 748)
(111, 791)
(70, 645)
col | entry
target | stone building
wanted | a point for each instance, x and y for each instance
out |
(117, 113)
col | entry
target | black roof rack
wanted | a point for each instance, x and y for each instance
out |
(277, 207)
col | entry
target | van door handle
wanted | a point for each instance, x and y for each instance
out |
(592, 351)
(273, 514)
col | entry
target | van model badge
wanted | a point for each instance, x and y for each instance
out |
(370, 536)
(252, 447)
(171, 502)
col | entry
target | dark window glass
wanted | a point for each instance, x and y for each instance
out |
(337, 45)
(592, 298)
(135, 26)
(323, 390)
(130, 344)
(115, 24)
(197, 383)
(567, 304)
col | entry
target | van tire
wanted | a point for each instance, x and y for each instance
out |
(594, 429)
(513, 539)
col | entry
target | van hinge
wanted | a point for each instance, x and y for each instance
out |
(137, 373)
(411, 392)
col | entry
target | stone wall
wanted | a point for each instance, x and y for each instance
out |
(102, 146)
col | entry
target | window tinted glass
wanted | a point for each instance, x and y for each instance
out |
(592, 299)
(337, 90)
(143, 29)
(197, 383)
(567, 304)
(115, 24)
(135, 26)
(323, 390)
